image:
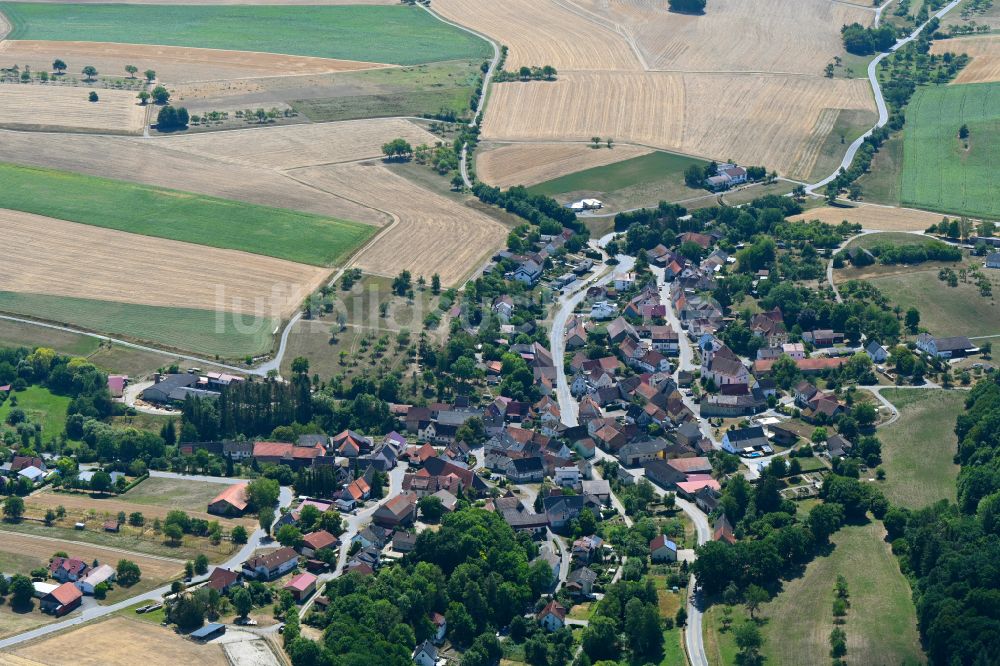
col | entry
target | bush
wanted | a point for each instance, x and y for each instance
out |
(92, 96)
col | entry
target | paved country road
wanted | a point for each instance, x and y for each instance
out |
(255, 541)
(883, 111)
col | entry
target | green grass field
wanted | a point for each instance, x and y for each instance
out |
(882, 183)
(391, 34)
(41, 406)
(409, 91)
(943, 310)
(644, 180)
(189, 329)
(881, 623)
(174, 493)
(896, 238)
(19, 334)
(918, 449)
(182, 216)
(939, 172)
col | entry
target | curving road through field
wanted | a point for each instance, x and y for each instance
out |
(883, 111)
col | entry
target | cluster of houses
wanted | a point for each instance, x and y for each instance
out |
(75, 579)
(31, 468)
(726, 176)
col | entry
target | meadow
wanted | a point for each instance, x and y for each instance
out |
(943, 310)
(389, 92)
(42, 407)
(881, 623)
(643, 180)
(391, 34)
(942, 172)
(918, 450)
(188, 329)
(182, 216)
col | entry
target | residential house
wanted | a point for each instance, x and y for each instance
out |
(221, 580)
(561, 509)
(770, 326)
(620, 329)
(568, 476)
(795, 350)
(552, 617)
(663, 474)
(662, 549)
(271, 564)
(526, 470)
(838, 446)
(823, 337)
(726, 369)
(665, 340)
(688, 434)
(503, 307)
(68, 569)
(426, 655)
(735, 441)
(635, 454)
(876, 352)
(598, 488)
(722, 530)
(993, 260)
(588, 549)
(529, 273)
(283, 453)
(316, 541)
(580, 581)
(803, 392)
(231, 502)
(707, 499)
(397, 511)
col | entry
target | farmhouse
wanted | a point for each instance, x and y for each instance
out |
(318, 540)
(945, 347)
(397, 511)
(230, 502)
(283, 453)
(271, 564)
(68, 569)
(222, 579)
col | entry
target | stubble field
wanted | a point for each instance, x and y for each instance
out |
(51, 108)
(301, 145)
(984, 51)
(120, 641)
(797, 37)
(873, 217)
(62, 258)
(529, 164)
(433, 234)
(173, 64)
(149, 163)
(691, 114)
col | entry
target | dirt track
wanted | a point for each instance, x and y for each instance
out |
(61, 258)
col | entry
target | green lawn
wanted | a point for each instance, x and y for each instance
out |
(41, 406)
(408, 91)
(189, 329)
(391, 34)
(881, 624)
(882, 183)
(918, 449)
(174, 493)
(644, 180)
(939, 172)
(18, 334)
(896, 238)
(943, 310)
(182, 216)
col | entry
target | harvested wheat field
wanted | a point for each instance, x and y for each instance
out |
(544, 32)
(984, 51)
(44, 107)
(121, 641)
(78, 505)
(59, 258)
(876, 218)
(150, 163)
(777, 121)
(529, 164)
(173, 64)
(295, 146)
(42, 548)
(778, 36)
(432, 234)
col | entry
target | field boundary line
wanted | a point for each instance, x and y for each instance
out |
(161, 558)
(616, 28)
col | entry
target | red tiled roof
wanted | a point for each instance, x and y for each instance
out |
(319, 539)
(234, 495)
(222, 578)
(301, 582)
(66, 594)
